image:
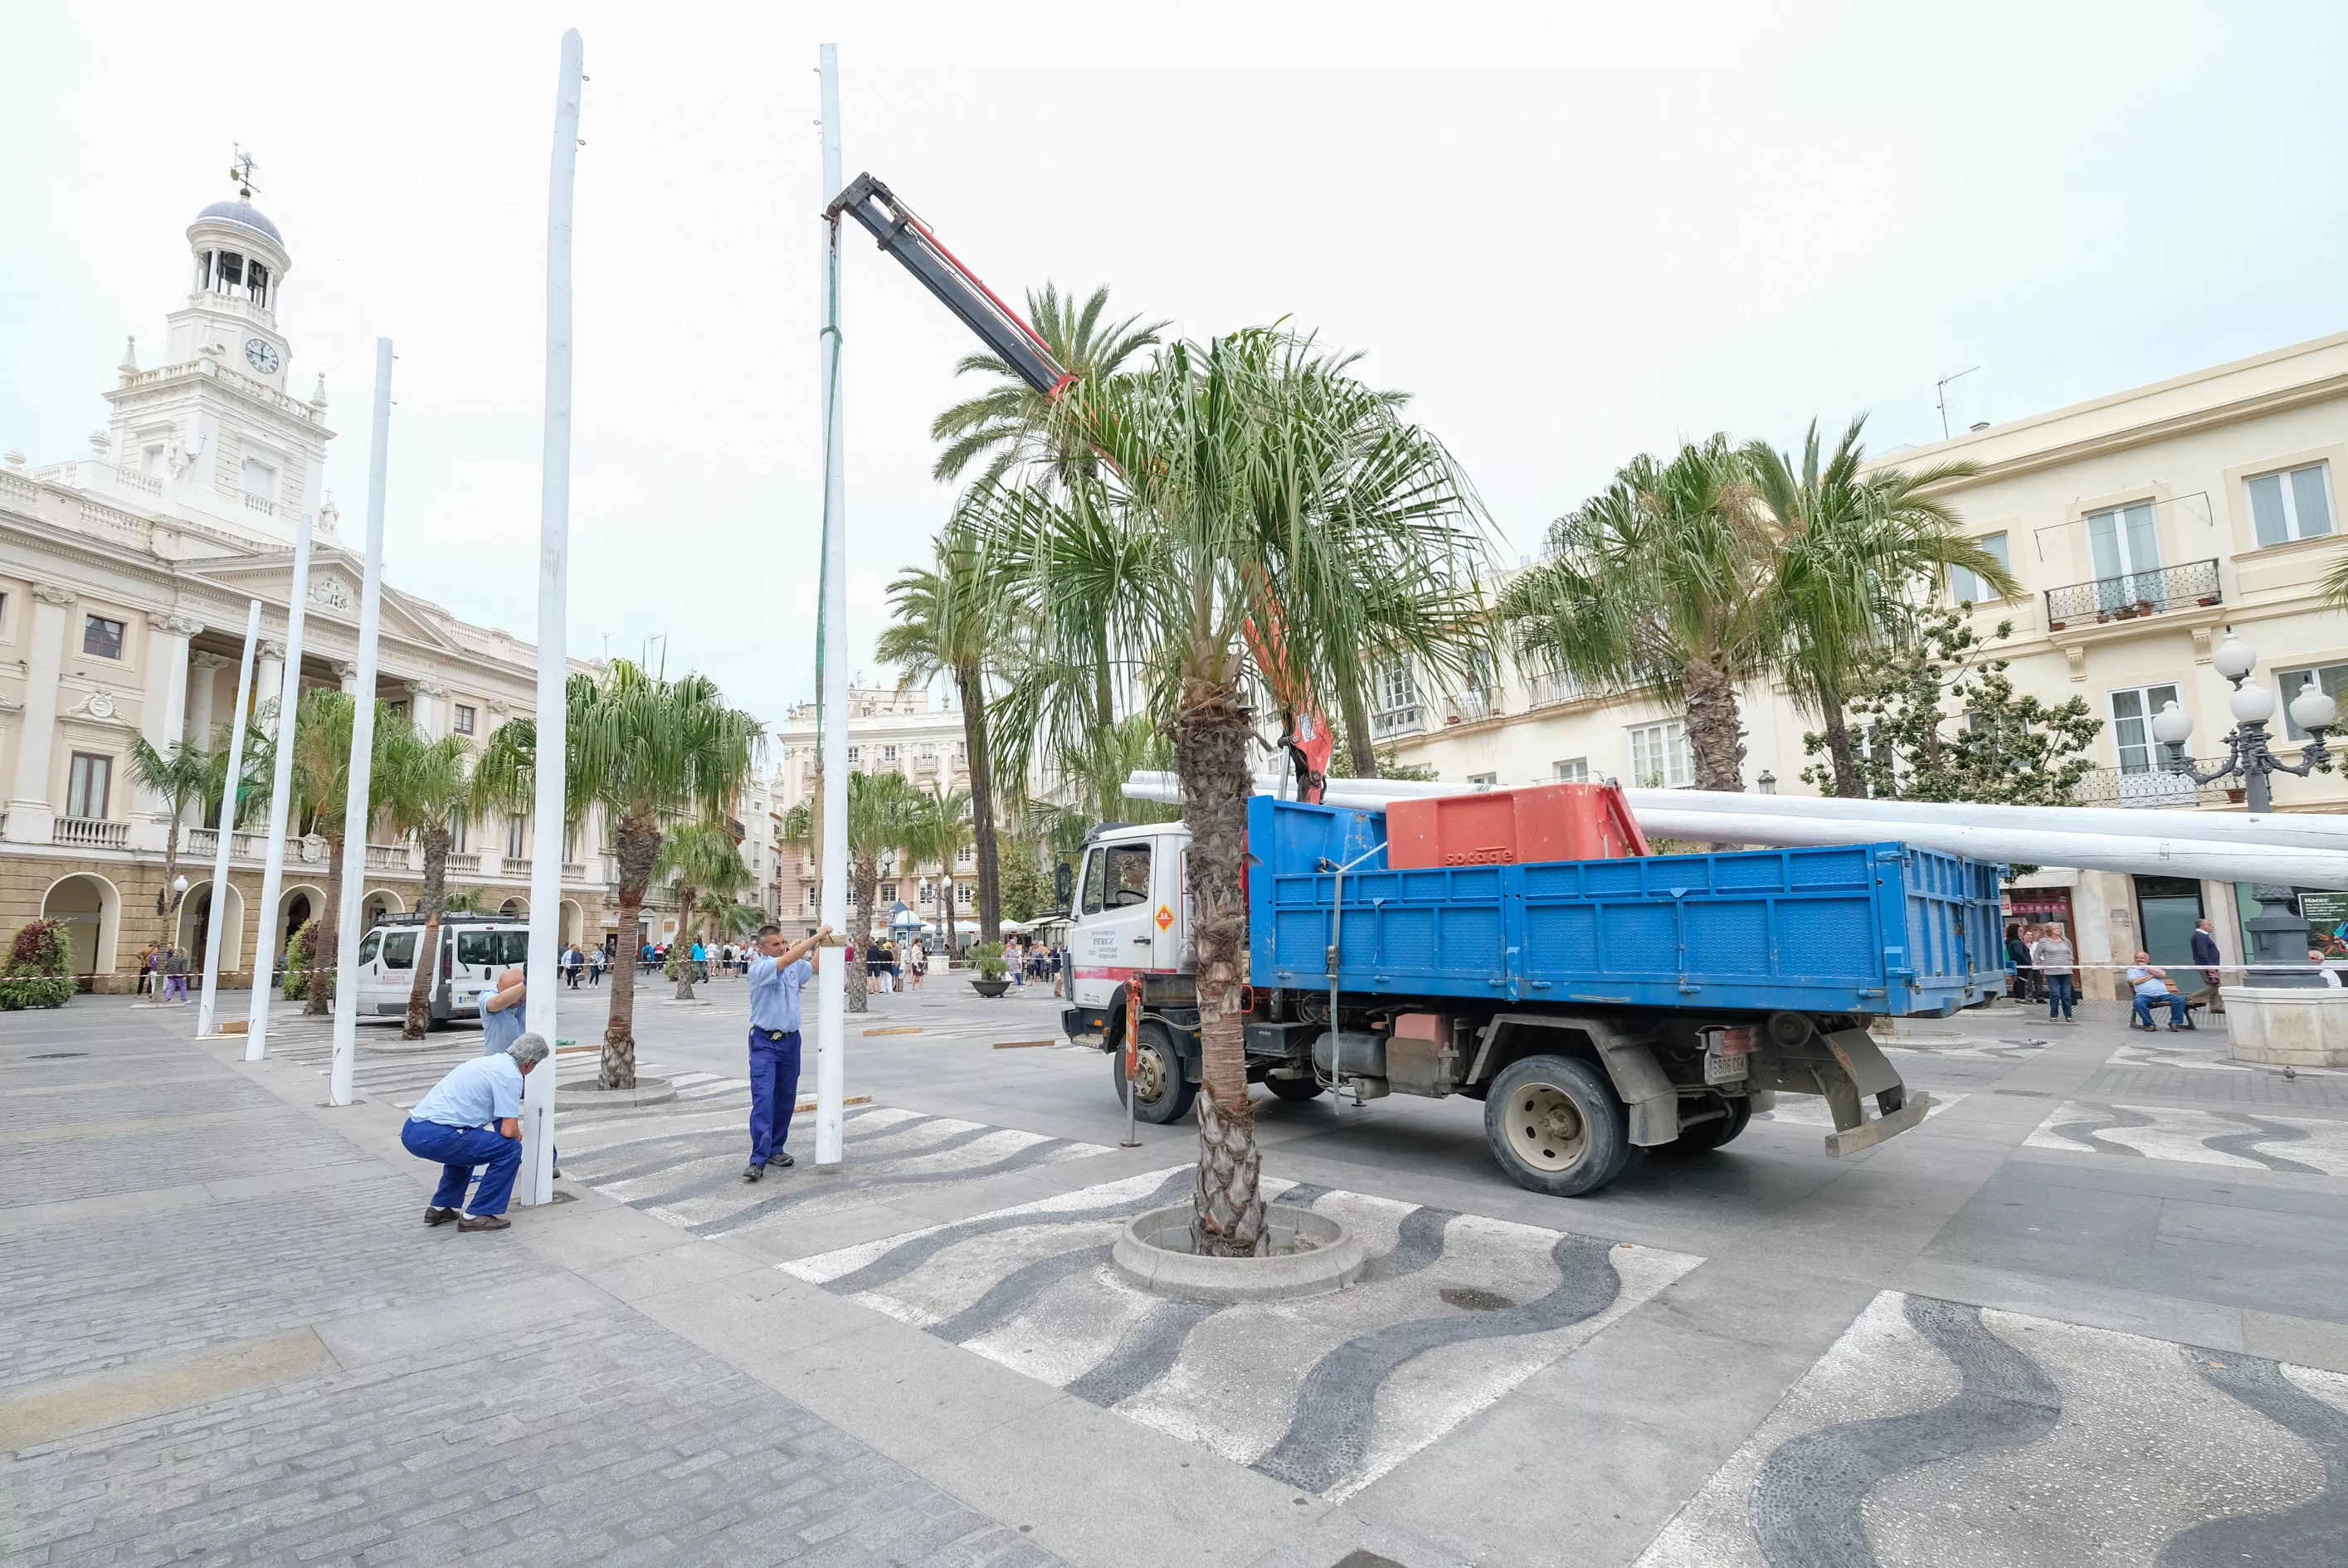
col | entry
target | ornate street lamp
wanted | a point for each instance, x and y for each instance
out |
(2278, 933)
(176, 890)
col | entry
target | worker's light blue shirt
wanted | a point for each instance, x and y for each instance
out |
(474, 1093)
(500, 1030)
(774, 993)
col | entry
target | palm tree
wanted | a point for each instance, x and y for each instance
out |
(947, 623)
(880, 807)
(1857, 547)
(1011, 422)
(937, 829)
(1268, 487)
(179, 777)
(1664, 584)
(427, 787)
(705, 858)
(322, 776)
(650, 751)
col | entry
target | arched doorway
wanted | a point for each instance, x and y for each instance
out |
(380, 902)
(573, 926)
(91, 909)
(195, 928)
(515, 909)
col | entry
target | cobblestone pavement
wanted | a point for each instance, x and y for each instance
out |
(1940, 1435)
(230, 1336)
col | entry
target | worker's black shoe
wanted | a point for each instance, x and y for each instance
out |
(484, 1222)
(753, 1172)
(438, 1216)
(784, 1160)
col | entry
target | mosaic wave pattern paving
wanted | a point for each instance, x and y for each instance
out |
(1938, 1435)
(1325, 1394)
(2306, 1145)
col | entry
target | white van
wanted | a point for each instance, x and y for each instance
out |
(473, 950)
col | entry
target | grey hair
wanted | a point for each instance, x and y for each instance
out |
(528, 1050)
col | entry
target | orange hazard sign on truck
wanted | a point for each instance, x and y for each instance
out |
(1165, 918)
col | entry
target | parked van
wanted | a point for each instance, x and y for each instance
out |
(473, 950)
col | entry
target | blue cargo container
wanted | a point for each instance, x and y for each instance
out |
(1884, 928)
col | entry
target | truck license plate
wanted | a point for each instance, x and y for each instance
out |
(1718, 1069)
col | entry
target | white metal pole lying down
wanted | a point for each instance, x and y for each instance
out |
(281, 802)
(219, 923)
(2309, 829)
(831, 978)
(536, 1184)
(359, 791)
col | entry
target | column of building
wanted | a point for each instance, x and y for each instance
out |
(163, 711)
(32, 818)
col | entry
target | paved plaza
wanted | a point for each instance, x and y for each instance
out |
(2091, 1313)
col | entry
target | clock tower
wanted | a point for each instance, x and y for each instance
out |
(213, 430)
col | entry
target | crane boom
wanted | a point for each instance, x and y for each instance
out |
(902, 233)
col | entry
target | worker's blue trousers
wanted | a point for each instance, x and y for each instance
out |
(458, 1149)
(774, 1092)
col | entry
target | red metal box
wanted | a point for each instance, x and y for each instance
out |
(1513, 827)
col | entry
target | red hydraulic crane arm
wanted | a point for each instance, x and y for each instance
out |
(905, 236)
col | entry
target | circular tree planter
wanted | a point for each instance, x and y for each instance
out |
(1312, 1255)
(989, 988)
(586, 1096)
(392, 1046)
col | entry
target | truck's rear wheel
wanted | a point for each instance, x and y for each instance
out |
(1555, 1126)
(1719, 1130)
(1295, 1088)
(1160, 1092)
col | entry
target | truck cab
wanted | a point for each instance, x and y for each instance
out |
(1131, 914)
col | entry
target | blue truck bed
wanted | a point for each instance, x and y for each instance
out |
(1858, 928)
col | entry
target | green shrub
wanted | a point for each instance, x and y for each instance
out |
(988, 956)
(20, 991)
(40, 968)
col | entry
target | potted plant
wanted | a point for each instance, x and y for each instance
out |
(994, 975)
(39, 971)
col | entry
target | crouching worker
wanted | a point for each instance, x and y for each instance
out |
(472, 1118)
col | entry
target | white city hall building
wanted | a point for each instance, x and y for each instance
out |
(2141, 527)
(125, 577)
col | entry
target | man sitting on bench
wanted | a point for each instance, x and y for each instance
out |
(2151, 985)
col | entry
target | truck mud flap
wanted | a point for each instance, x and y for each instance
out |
(1867, 1135)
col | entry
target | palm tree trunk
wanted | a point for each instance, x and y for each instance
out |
(171, 866)
(868, 889)
(320, 986)
(1841, 753)
(1715, 734)
(948, 900)
(686, 895)
(1210, 756)
(1361, 746)
(970, 686)
(635, 849)
(435, 900)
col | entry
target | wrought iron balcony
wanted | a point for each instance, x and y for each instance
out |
(2132, 594)
(2159, 787)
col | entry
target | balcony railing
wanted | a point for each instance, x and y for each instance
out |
(2132, 594)
(203, 844)
(2120, 786)
(466, 860)
(386, 858)
(1472, 706)
(1394, 721)
(91, 833)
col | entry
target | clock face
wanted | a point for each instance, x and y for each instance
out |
(261, 355)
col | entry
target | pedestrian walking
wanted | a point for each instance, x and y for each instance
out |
(175, 975)
(2018, 953)
(472, 1118)
(146, 969)
(596, 961)
(2206, 954)
(2051, 956)
(917, 962)
(774, 978)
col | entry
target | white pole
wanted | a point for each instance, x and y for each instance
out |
(228, 822)
(831, 979)
(281, 801)
(356, 814)
(537, 1181)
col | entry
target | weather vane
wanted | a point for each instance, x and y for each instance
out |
(239, 169)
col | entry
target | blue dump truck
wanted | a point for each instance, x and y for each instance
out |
(1596, 1008)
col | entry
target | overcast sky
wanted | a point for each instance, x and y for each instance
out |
(1573, 232)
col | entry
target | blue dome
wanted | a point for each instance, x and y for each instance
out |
(239, 212)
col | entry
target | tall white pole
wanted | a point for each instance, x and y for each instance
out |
(281, 802)
(362, 770)
(831, 978)
(237, 718)
(537, 1181)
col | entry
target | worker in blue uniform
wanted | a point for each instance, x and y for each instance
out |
(473, 1118)
(775, 976)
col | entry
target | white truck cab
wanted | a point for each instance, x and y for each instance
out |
(1132, 912)
(473, 951)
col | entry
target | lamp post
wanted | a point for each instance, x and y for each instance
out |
(2278, 932)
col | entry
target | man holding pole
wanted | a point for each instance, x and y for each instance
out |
(775, 976)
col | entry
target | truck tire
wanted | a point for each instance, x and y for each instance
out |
(1709, 1135)
(1555, 1126)
(1294, 1089)
(1161, 1092)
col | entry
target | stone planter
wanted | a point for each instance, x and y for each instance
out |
(1312, 1255)
(2292, 1026)
(585, 1096)
(989, 988)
